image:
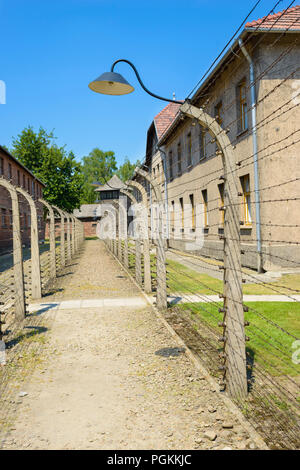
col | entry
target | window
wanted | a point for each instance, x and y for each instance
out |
(158, 172)
(173, 216)
(205, 208)
(189, 150)
(243, 108)
(193, 211)
(218, 113)
(182, 213)
(10, 218)
(24, 181)
(245, 182)
(19, 178)
(202, 148)
(9, 171)
(28, 185)
(171, 165)
(33, 188)
(221, 201)
(3, 217)
(179, 159)
(218, 116)
(153, 172)
(25, 220)
(1, 166)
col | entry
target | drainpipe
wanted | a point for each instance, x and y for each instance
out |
(166, 191)
(255, 152)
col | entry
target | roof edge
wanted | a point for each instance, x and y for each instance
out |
(21, 164)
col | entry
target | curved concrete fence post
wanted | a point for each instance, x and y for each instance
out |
(36, 283)
(69, 248)
(123, 222)
(138, 251)
(161, 276)
(62, 236)
(112, 213)
(51, 237)
(17, 251)
(72, 226)
(126, 253)
(146, 244)
(235, 375)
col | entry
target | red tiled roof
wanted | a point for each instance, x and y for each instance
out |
(165, 118)
(283, 20)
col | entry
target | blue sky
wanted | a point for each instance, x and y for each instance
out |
(51, 50)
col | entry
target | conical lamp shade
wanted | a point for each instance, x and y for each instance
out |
(111, 83)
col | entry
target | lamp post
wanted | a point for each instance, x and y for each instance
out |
(112, 83)
(234, 366)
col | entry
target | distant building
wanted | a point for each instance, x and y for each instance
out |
(90, 214)
(12, 170)
(110, 190)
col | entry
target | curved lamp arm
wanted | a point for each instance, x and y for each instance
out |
(141, 83)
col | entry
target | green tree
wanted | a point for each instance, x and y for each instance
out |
(58, 169)
(125, 172)
(98, 166)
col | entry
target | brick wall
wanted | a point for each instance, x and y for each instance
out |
(18, 175)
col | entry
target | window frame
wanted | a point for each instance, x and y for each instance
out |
(179, 159)
(247, 215)
(243, 106)
(202, 143)
(221, 203)
(205, 206)
(170, 160)
(189, 145)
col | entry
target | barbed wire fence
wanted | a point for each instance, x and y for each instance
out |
(32, 263)
(241, 324)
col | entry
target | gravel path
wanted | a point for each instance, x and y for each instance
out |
(114, 378)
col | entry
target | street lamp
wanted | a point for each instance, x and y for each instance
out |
(112, 83)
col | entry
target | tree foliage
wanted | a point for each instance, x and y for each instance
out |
(53, 165)
(125, 172)
(99, 167)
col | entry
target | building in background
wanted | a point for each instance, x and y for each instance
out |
(91, 214)
(12, 170)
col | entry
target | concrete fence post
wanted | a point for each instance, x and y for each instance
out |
(62, 236)
(51, 238)
(69, 243)
(235, 372)
(17, 252)
(145, 237)
(161, 293)
(138, 252)
(72, 235)
(36, 283)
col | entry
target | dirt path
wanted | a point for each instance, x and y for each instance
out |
(112, 378)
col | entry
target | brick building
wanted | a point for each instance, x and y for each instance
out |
(184, 158)
(18, 175)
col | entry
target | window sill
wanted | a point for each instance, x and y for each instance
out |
(242, 133)
(189, 167)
